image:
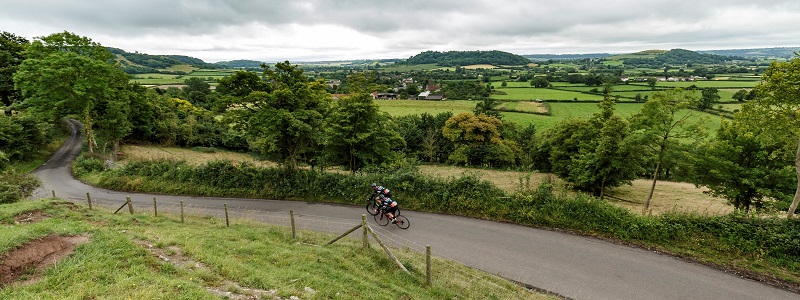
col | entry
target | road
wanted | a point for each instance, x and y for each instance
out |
(572, 266)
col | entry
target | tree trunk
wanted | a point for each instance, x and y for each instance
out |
(652, 188)
(793, 207)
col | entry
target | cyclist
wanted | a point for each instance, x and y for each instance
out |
(381, 191)
(386, 202)
(391, 207)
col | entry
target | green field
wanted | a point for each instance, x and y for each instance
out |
(544, 94)
(706, 83)
(399, 108)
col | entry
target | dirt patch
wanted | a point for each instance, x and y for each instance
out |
(37, 255)
(30, 217)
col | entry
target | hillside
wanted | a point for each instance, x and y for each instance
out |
(776, 52)
(466, 58)
(543, 57)
(680, 57)
(139, 63)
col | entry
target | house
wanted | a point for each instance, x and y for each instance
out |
(423, 95)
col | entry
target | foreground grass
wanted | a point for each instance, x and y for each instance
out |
(117, 264)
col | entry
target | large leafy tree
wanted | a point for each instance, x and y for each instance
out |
(285, 122)
(66, 74)
(11, 56)
(479, 140)
(738, 167)
(357, 133)
(775, 112)
(592, 154)
(663, 122)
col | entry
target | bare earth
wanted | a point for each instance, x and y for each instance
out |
(34, 256)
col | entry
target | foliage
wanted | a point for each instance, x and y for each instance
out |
(284, 123)
(357, 133)
(22, 135)
(15, 186)
(709, 97)
(680, 57)
(737, 167)
(479, 141)
(591, 154)
(423, 136)
(11, 56)
(465, 58)
(466, 90)
(80, 80)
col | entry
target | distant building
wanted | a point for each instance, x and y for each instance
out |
(384, 96)
(426, 95)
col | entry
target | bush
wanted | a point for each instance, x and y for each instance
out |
(16, 186)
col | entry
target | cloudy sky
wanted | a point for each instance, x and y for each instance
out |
(315, 30)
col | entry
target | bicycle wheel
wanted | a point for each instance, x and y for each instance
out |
(381, 219)
(372, 209)
(402, 222)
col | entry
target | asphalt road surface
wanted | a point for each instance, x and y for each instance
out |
(568, 265)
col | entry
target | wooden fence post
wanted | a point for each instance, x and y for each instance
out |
(386, 249)
(181, 211)
(89, 198)
(364, 226)
(291, 216)
(227, 221)
(155, 207)
(428, 265)
(130, 205)
(54, 193)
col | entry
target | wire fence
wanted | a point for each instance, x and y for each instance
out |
(473, 284)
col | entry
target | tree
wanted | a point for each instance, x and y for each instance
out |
(488, 107)
(708, 98)
(775, 111)
(662, 123)
(479, 141)
(540, 82)
(738, 167)
(740, 95)
(592, 154)
(284, 123)
(357, 133)
(651, 82)
(65, 74)
(11, 56)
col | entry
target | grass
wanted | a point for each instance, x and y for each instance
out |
(544, 94)
(399, 108)
(121, 261)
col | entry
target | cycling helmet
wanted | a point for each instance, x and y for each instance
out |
(374, 184)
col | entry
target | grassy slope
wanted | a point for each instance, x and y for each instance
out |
(116, 262)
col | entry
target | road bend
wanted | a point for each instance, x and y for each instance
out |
(572, 266)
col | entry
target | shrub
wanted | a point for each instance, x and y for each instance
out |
(16, 186)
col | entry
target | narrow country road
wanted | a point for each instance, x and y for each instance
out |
(572, 266)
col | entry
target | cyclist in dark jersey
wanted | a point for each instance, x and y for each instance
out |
(385, 196)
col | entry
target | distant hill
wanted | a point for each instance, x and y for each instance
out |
(466, 58)
(543, 57)
(777, 52)
(677, 57)
(137, 63)
(241, 64)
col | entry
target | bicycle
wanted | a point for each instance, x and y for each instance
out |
(382, 218)
(373, 203)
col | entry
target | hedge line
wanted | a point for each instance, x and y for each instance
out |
(775, 240)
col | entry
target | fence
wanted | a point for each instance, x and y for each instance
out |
(478, 284)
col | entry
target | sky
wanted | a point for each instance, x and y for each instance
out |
(317, 30)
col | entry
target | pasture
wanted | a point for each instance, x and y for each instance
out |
(544, 94)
